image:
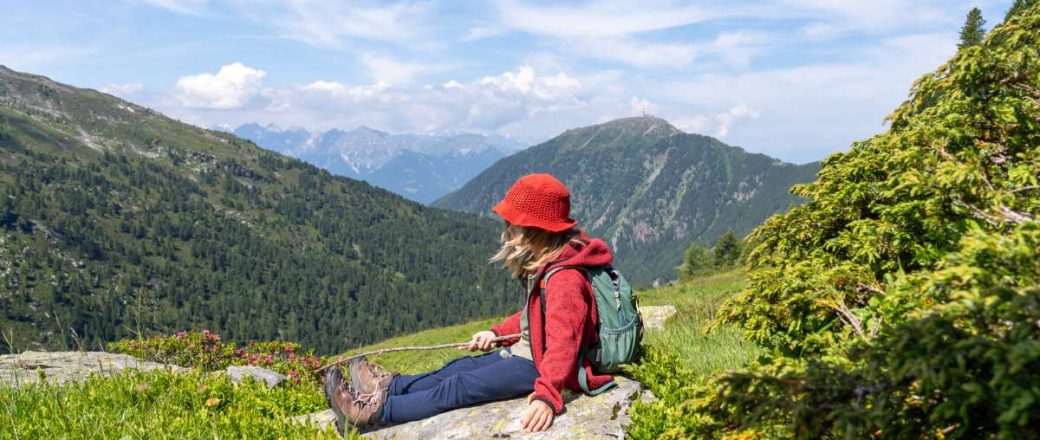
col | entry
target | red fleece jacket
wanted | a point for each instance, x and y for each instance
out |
(570, 323)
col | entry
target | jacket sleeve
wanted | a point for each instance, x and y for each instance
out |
(565, 315)
(509, 326)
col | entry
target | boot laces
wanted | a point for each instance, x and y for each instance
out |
(367, 399)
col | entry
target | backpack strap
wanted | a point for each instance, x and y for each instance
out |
(583, 378)
(544, 281)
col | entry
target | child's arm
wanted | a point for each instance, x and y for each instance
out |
(510, 326)
(566, 311)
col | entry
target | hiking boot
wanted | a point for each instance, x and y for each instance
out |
(337, 394)
(368, 377)
(349, 405)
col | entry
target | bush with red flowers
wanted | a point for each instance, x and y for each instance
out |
(206, 351)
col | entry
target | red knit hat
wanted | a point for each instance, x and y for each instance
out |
(537, 200)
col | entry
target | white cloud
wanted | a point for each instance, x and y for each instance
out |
(807, 111)
(820, 30)
(123, 90)
(193, 7)
(231, 87)
(393, 71)
(635, 53)
(523, 101)
(730, 117)
(482, 32)
(525, 82)
(35, 57)
(333, 24)
(604, 19)
(717, 125)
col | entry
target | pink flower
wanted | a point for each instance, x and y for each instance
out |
(292, 357)
(268, 359)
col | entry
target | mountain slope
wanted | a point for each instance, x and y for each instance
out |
(419, 167)
(115, 219)
(648, 188)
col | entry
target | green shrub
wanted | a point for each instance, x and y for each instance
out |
(902, 300)
(206, 351)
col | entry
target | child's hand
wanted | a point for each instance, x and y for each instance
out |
(482, 341)
(539, 417)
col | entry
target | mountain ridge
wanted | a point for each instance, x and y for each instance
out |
(437, 163)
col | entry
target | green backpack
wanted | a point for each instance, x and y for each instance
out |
(620, 328)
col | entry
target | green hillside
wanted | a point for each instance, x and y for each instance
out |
(647, 188)
(116, 220)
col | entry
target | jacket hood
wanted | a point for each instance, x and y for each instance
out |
(593, 254)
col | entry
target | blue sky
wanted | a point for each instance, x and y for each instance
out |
(796, 79)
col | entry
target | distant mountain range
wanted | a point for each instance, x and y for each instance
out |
(648, 188)
(420, 167)
(116, 220)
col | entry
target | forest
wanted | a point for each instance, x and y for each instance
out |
(118, 221)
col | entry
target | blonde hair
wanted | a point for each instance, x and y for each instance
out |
(525, 249)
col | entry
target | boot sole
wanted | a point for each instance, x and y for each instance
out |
(332, 378)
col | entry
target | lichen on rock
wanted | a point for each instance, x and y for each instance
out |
(65, 366)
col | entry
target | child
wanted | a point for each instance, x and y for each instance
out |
(539, 236)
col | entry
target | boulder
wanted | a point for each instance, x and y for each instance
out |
(65, 366)
(586, 417)
(654, 317)
(239, 372)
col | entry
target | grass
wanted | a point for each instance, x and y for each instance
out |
(686, 335)
(158, 405)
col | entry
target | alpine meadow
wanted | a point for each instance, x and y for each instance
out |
(389, 261)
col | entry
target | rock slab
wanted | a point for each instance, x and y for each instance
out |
(587, 417)
(237, 373)
(66, 366)
(654, 317)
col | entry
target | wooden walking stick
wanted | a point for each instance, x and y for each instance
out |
(412, 348)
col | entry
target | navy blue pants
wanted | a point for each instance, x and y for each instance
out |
(462, 382)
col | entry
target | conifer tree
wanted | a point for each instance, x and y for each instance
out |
(972, 32)
(727, 249)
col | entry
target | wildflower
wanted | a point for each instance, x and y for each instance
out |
(212, 401)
